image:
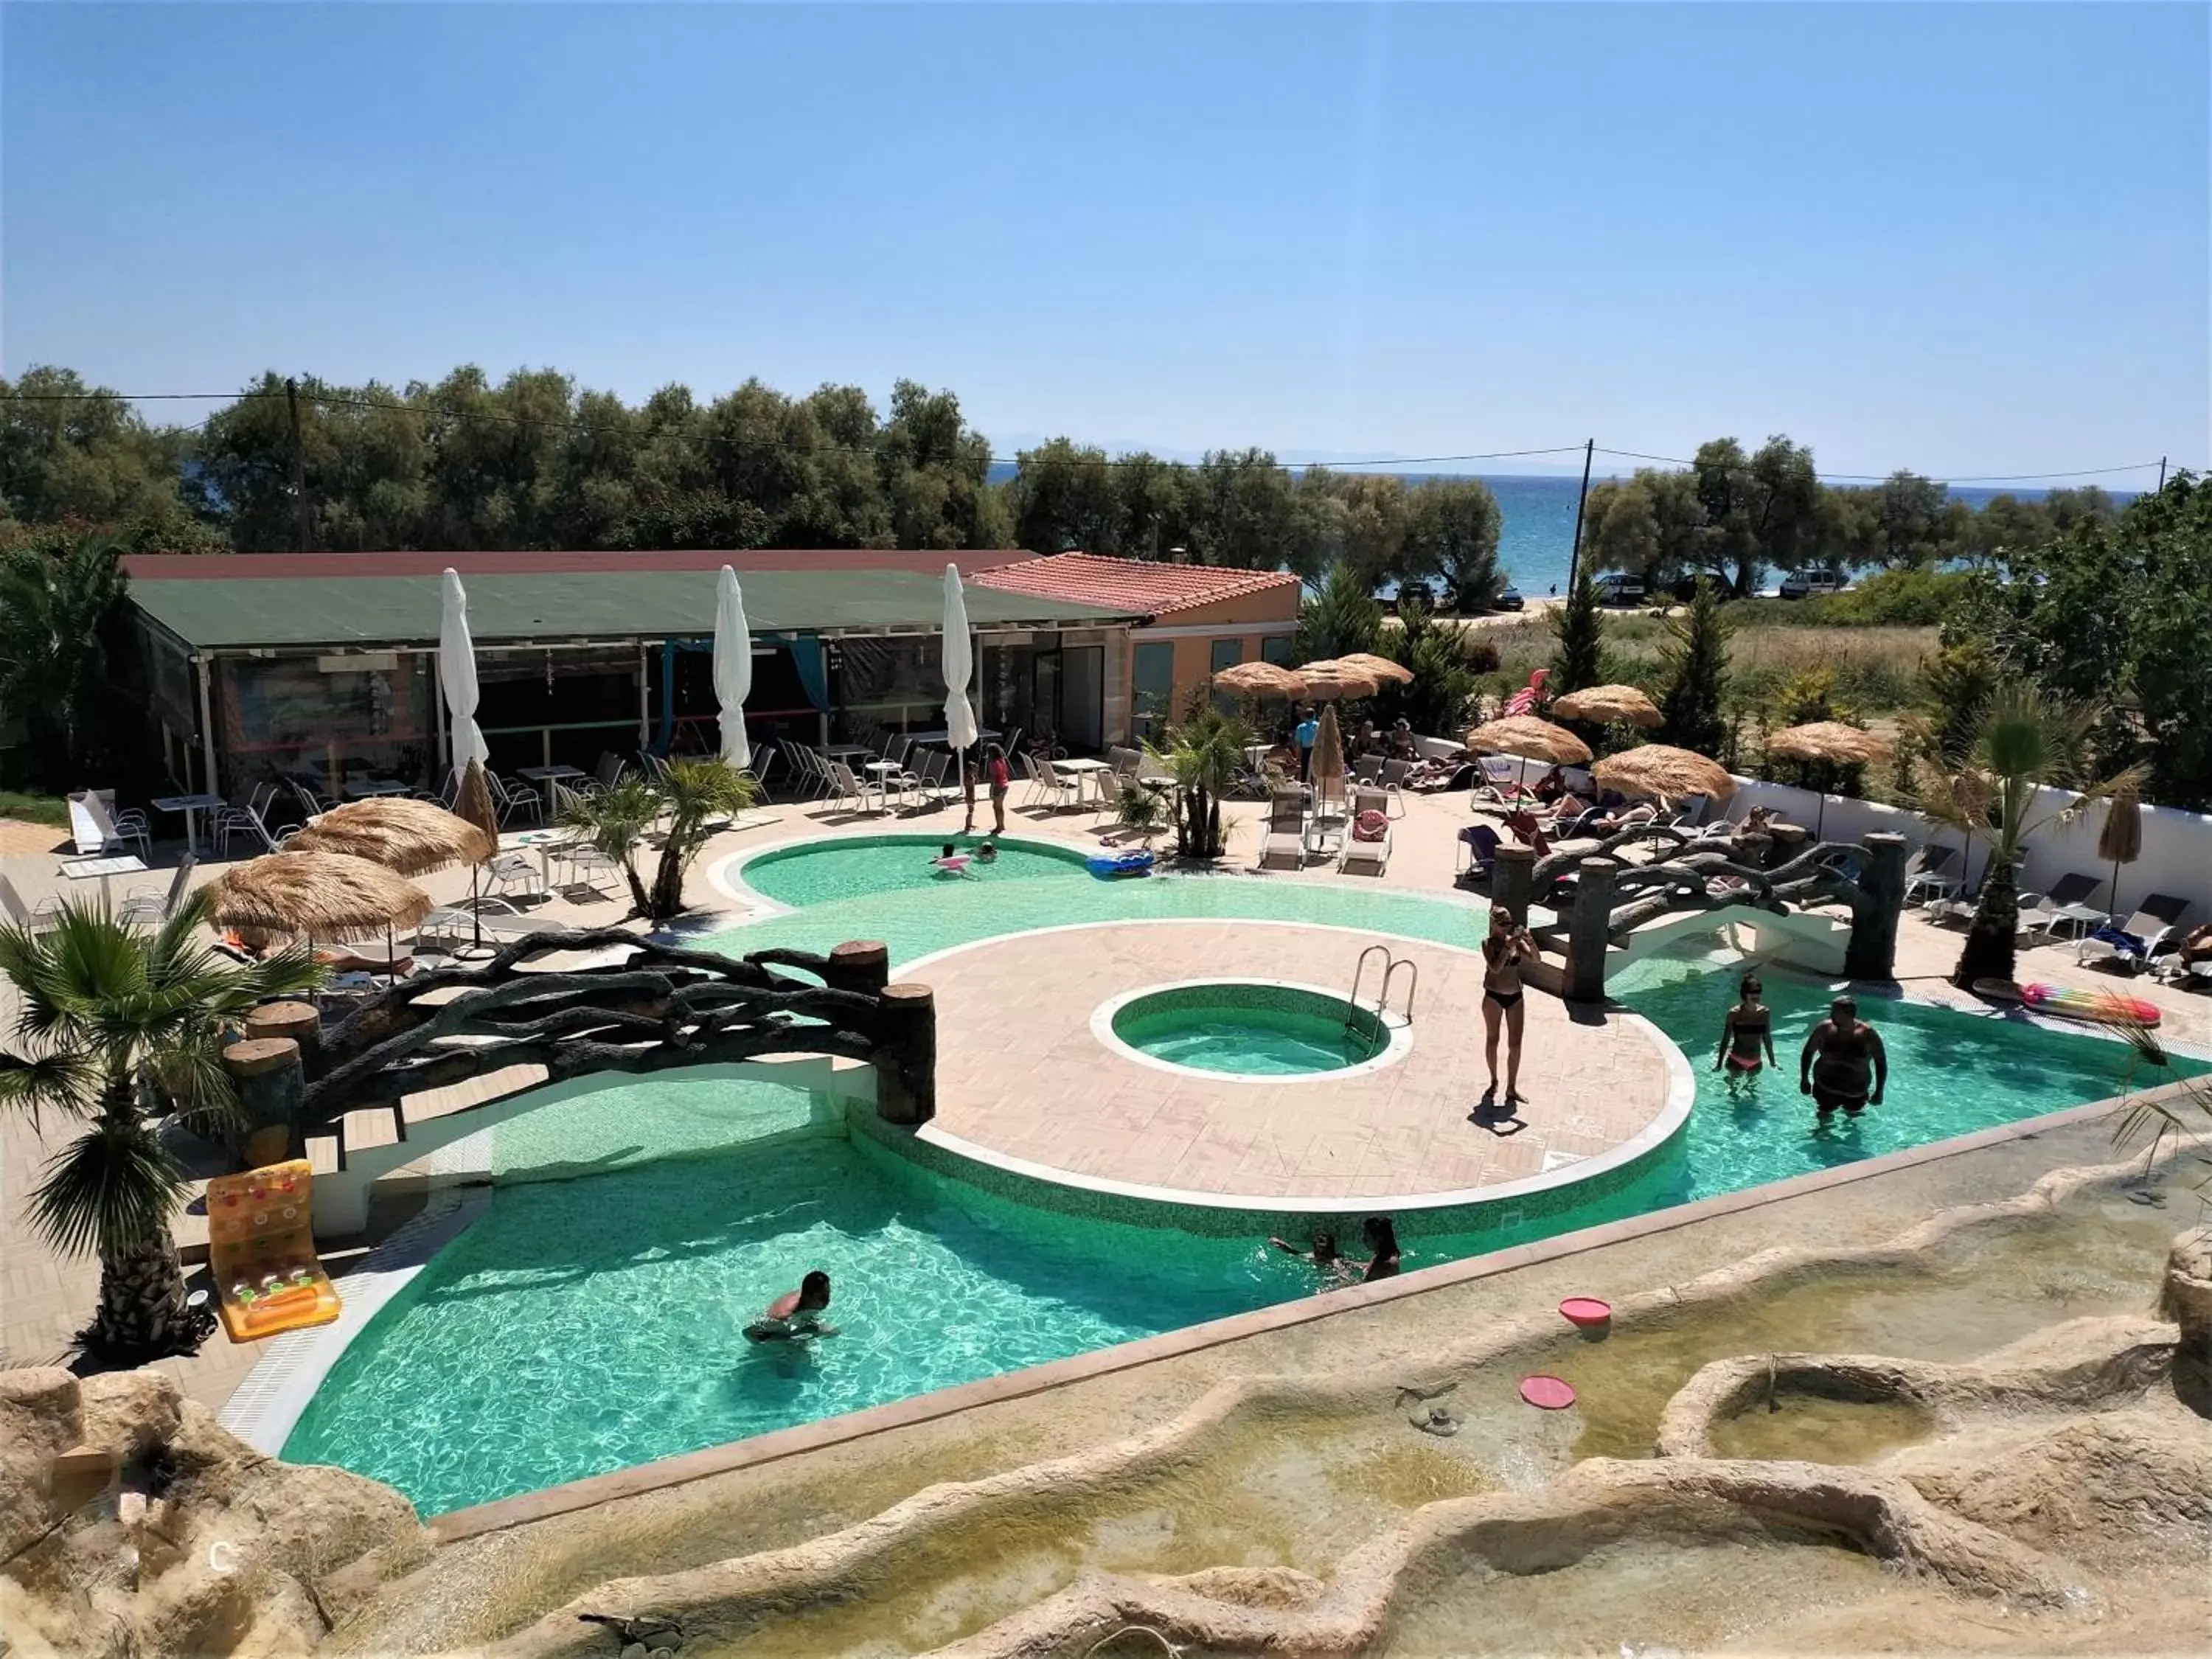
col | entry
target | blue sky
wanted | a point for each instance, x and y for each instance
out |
(1969, 239)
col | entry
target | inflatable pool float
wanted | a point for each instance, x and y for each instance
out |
(261, 1251)
(1110, 866)
(953, 864)
(2097, 1007)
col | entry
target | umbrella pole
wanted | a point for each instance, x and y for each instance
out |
(476, 909)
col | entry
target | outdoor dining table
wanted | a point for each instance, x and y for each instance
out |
(544, 844)
(1081, 769)
(107, 868)
(845, 750)
(192, 807)
(552, 777)
(370, 789)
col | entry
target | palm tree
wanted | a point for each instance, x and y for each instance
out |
(1204, 754)
(2021, 742)
(691, 794)
(115, 1027)
(698, 796)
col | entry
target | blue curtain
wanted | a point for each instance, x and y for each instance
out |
(813, 670)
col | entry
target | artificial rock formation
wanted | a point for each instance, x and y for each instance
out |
(132, 1523)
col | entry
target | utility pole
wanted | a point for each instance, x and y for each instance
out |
(2161, 472)
(1574, 553)
(302, 518)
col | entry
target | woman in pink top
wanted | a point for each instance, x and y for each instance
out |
(1002, 779)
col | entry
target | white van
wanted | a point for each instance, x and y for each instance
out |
(1620, 590)
(1811, 585)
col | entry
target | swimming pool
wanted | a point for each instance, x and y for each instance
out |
(1250, 1030)
(592, 1323)
(805, 875)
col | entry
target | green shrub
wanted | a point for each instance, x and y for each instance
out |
(1904, 597)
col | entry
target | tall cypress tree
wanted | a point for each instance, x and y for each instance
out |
(1697, 670)
(1578, 660)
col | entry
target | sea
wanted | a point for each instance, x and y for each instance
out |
(1537, 532)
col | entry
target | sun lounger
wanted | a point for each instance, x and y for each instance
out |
(1286, 831)
(1478, 851)
(2137, 942)
(2042, 915)
(1367, 846)
(1928, 876)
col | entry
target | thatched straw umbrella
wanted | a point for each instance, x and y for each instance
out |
(1833, 743)
(1327, 766)
(413, 837)
(316, 895)
(1260, 679)
(473, 802)
(1337, 679)
(1608, 705)
(1530, 739)
(1659, 769)
(1379, 668)
(2121, 839)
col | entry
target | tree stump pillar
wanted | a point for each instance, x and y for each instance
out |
(862, 964)
(1871, 951)
(268, 1078)
(299, 1021)
(905, 1057)
(1512, 880)
(1589, 930)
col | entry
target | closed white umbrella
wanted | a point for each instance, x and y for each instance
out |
(733, 667)
(959, 662)
(457, 669)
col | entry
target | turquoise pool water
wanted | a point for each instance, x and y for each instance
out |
(588, 1324)
(583, 1326)
(1261, 1031)
(855, 868)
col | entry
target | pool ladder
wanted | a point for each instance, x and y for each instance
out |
(1381, 1010)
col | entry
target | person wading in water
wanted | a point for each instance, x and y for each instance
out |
(1838, 1059)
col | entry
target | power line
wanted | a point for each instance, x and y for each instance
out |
(1882, 477)
(336, 400)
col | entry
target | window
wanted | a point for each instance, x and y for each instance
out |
(1226, 653)
(1279, 649)
(1151, 687)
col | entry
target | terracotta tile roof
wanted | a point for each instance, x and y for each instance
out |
(1129, 584)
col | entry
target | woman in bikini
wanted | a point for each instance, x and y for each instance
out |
(1747, 1031)
(1508, 945)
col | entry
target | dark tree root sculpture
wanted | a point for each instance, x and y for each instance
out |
(661, 1007)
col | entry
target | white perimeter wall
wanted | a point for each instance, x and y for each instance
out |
(2177, 846)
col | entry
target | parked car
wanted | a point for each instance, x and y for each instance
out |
(1811, 584)
(1417, 590)
(1620, 590)
(1509, 599)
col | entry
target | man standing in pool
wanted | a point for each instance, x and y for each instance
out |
(1838, 1059)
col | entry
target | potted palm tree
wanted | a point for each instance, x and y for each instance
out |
(114, 1025)
(1204, 753)
(694, 797)
(2019, 743)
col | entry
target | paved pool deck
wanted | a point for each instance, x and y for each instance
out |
(1023, 1073)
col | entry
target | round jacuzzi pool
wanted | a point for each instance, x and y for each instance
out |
(1247, 1028)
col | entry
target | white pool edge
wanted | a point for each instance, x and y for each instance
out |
(266, 1405)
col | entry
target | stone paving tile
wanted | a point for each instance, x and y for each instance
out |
(1400, 1129)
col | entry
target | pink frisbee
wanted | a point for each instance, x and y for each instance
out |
(1586, 1311)
(1549, 1394)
